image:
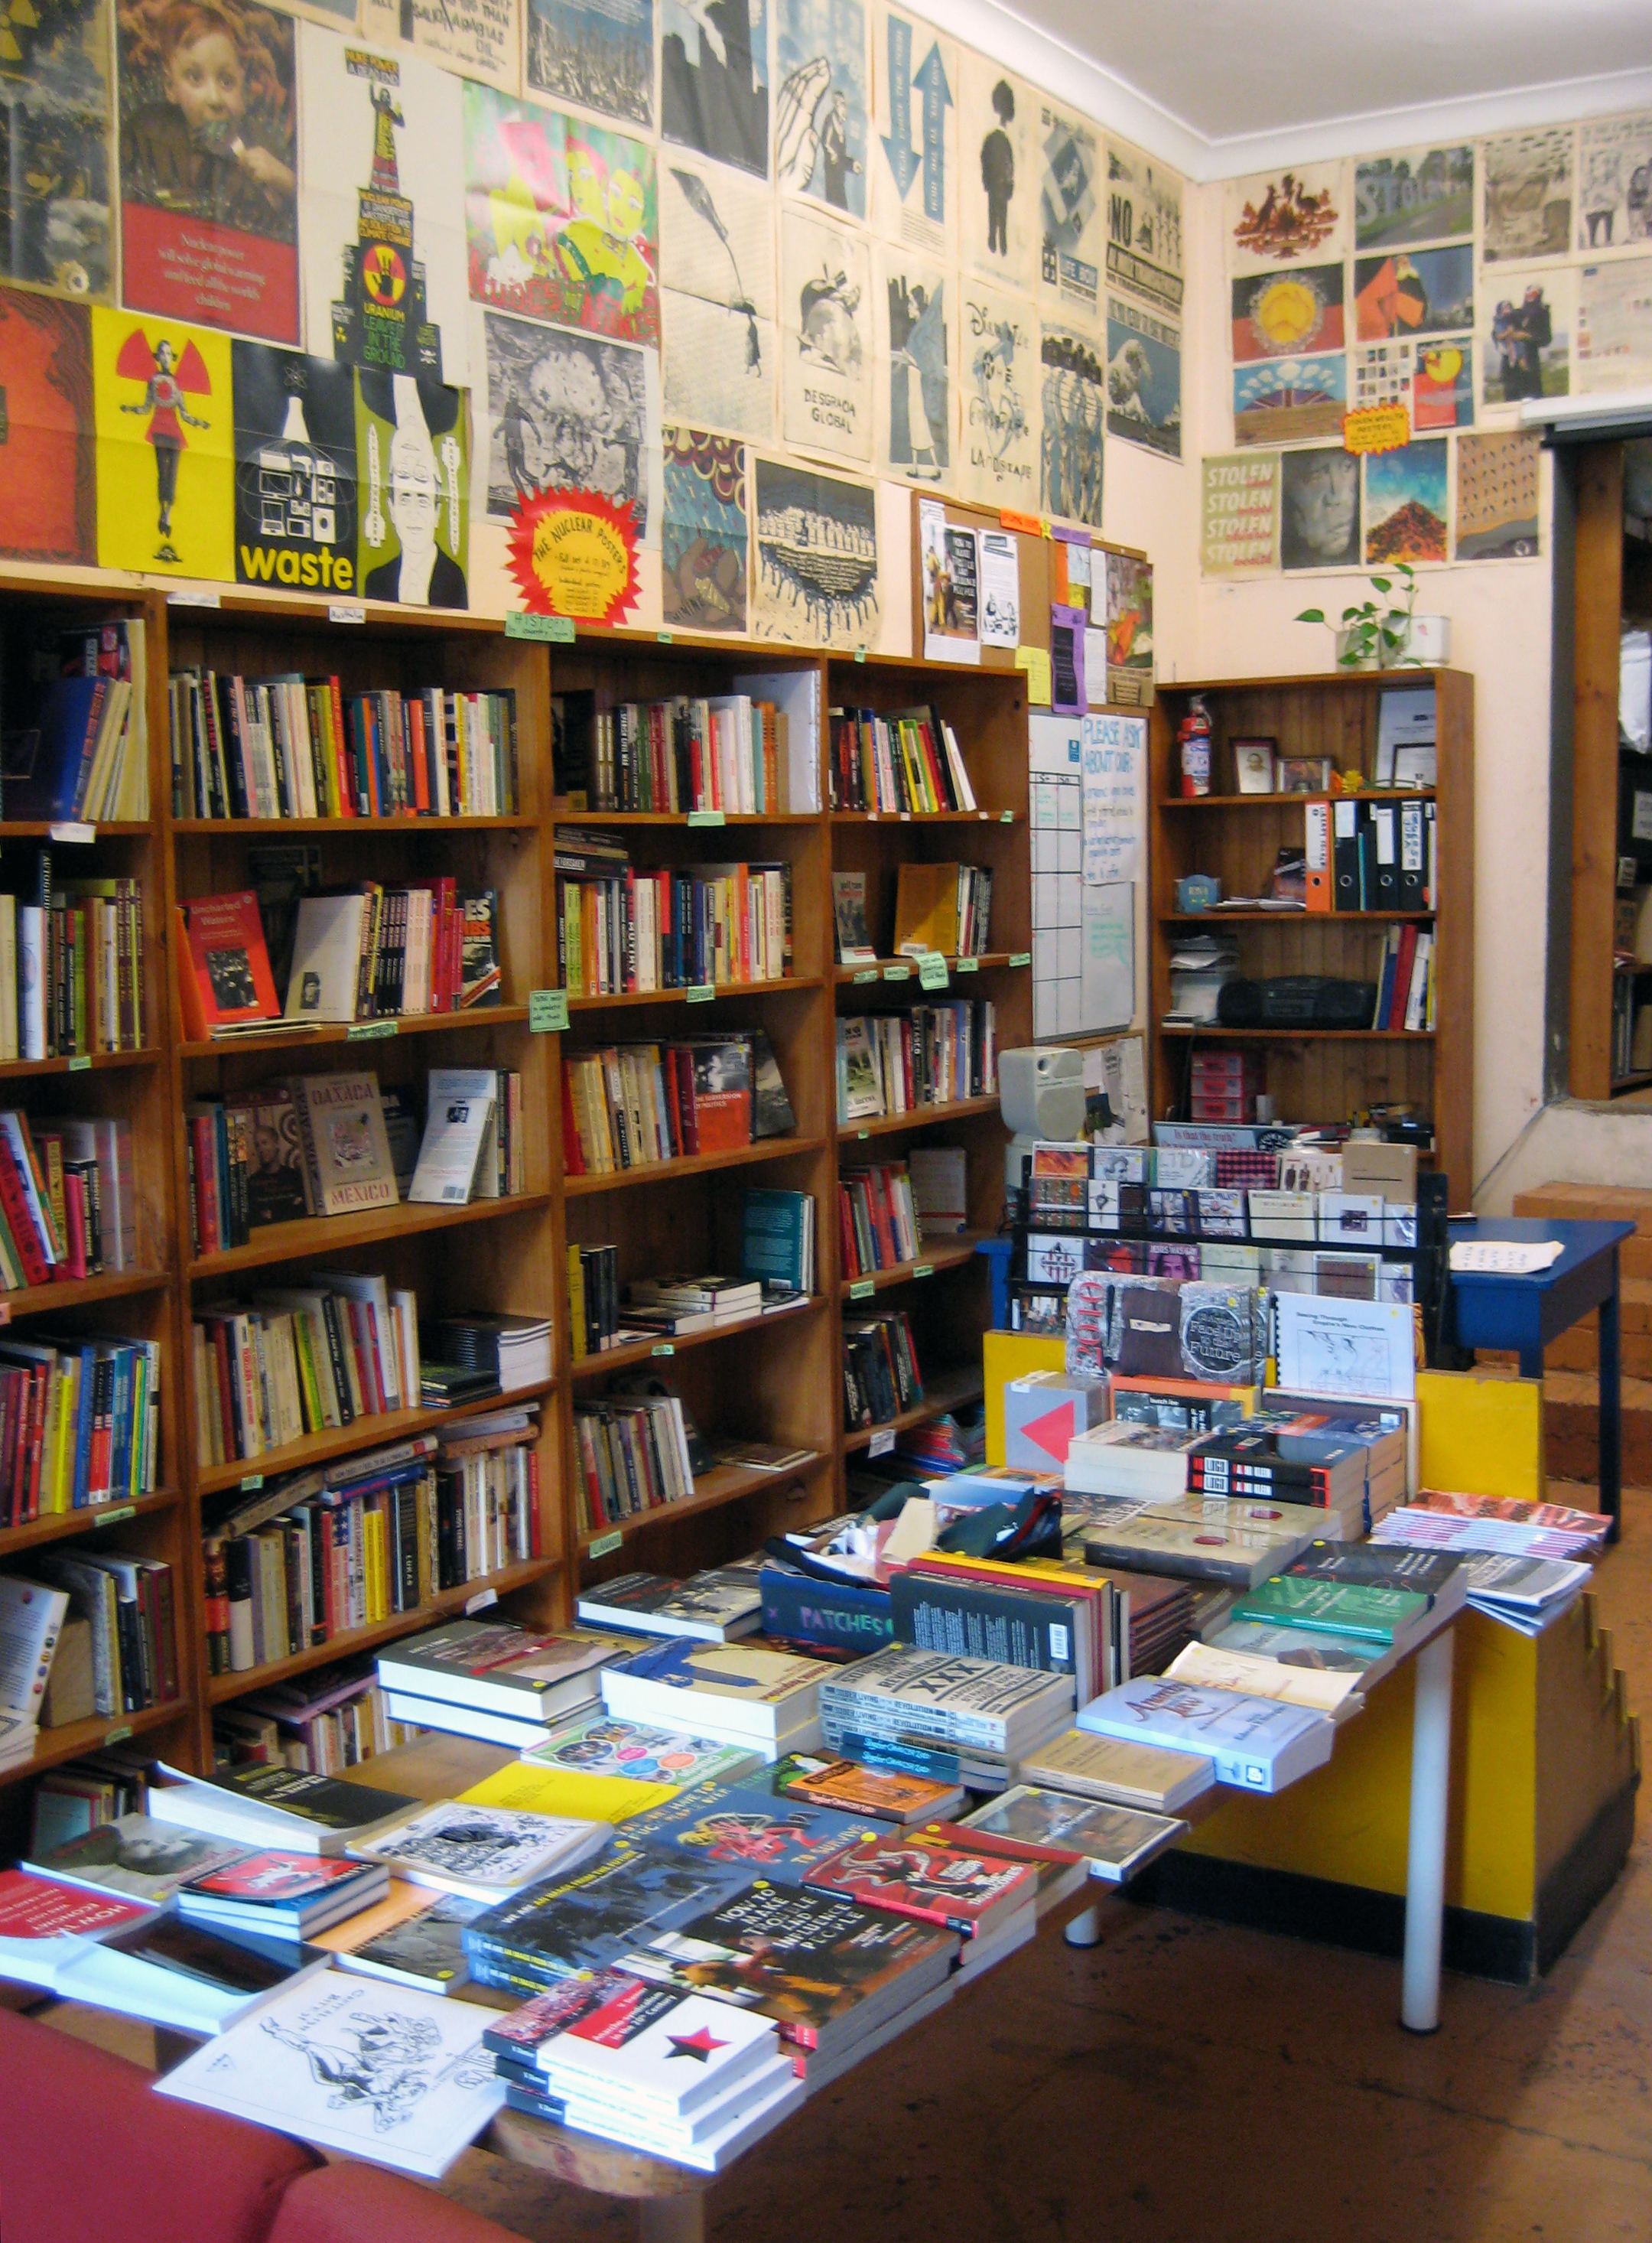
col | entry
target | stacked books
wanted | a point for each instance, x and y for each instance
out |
(881, 1374)
(900, 759)
(291, 747)
(1237, 1541)
(1112, 1843)
(71, 968)
(301, 1359)
(942, 907)
(326, 1722)
(131, 1604)
(634, 1456)
(79, 1422)
(620, 928)
(635, 1106)
(409, 1938)
(494, 1680)
(878, 1222)
(1255, 1744)
(767, 1701)
(316, 1145)
(277, 1895)
(983, 1715)
(714, 1607)
(274, 1807)
(375, 953)
(1504, 1522)
(1106, 1768)
(480, 1852)
(1349, 1465)
(605, 2055)
(1132, 1461)
(506, 1353)
(678, 1302)
(1057, 1619)
(682, 755)
(920, 1875)
(931, 1055)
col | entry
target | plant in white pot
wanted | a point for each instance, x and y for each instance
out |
(1371, 637)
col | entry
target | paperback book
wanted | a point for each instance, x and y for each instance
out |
(1113, 1841)
(482, 1852)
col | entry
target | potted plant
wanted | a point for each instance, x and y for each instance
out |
(1372, 636)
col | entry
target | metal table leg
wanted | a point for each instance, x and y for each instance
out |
(1426, 1861)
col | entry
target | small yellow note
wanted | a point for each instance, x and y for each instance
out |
(1034, 660)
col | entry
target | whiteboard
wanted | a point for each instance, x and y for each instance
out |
(1084, 835)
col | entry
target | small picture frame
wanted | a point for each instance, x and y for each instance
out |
(1253, 766)
(1416, 764)
(1305, 775)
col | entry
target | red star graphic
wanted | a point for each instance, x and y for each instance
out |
(698, 2045)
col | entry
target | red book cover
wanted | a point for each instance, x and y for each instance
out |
(846, 1234)
(1401, 989)
(962, 1890)
(415, 712)
(721, 1103)
(39, 1908)
(14, 1200)
(279, 1880)
(226, 964)
(572, 1159)
(74, 1193)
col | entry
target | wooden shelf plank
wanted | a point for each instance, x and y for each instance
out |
(946, 1253)
(79, 1293)
(95, 1063)
(1298, 1035)
(723, 1484)
(262, 825)
(90, 1517)
(55, 1746)
(42, 829)
(1273, 801)
(782, 985)
(645, 1350)
(693, 1164)
(948, 1390)
(917, 1117)
(1286, 917)
(987, 961)
(338, 1234)
(364, 1434)
(683, 818)
(221, 1688)
(364, 1032)
(926, 817)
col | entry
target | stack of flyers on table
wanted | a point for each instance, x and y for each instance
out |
(283, 1896)
(1443, 1521)
(674, 2074)
(767, 1701)
(713, 1607)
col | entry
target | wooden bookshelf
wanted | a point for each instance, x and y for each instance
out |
(1314, 1074)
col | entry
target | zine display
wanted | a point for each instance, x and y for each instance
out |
(914, 159)
(717, 273)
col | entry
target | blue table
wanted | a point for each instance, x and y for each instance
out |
(1527, 1313)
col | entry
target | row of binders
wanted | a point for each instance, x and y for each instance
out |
(619, 928)
(672, 756)
(85, 757)
(1372, 856)
(79, 1424)
(931, 1055)
(902, 761)
(289, 746)
(71, 968)
(68, 1198)
(881, 1374)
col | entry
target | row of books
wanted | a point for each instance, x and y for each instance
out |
(79, 1422)
(623, 929)
(1406, 984)
(1371, 856)
(632, 1106)
(320, 1723)
(129, 1605)
(1062, 1195)
(68, 1198)
(685, 754)
(895, 760)
(937, 907)
(878, 1222)
(353, 1554)
(634, 1456)
(71, 968)
(928, 1055)
(880, 1373)
(301, 1360)
(291, 747)
(86, 756)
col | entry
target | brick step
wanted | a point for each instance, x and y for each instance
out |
(1588, 1203)
(1578, 1350)
(1571, 1416)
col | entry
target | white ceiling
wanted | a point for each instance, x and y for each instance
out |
(1222, 87)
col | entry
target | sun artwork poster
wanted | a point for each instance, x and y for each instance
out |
(561, 218)
(1290, 314)
(166, 447)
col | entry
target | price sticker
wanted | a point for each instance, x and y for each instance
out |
(1020, 958)
(898, 972)
(119, 1736)
(664, 637)
(346, 611)
(362, 1032)
(113, 1517)
(881, 1444)
(707, 817)
(931, 971)
(557, 630)
(77, 833)
(860, 654)
(863, 1288)
(863, 1133)
(662, 1347)
(906, 817)
(698, 992)
(81, 1064)
(547, 1012)
(480, 1601)
(605, 1546)
(193, 600)
(1006, 817)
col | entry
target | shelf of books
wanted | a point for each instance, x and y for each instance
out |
(1340, 829)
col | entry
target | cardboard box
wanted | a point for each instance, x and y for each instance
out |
(1044, 1412)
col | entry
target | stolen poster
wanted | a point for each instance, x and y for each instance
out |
(915, 141)
(1288, 400)
(817, 572)
(567, 411)
(1072, 413)
(1527, 195)
(1295, 217)
(1072, 223)
(295, 470)
(1615, 185)
(1497, 496)
(561, 218)
(208, 156)
(1426, 194)
(999, 168)
(166, 447)
(1144, 227)
(1239, 514)
(1144, 378)
(54, 181)
(704, 539)
(598, 53)
(384, 264)
(718, 302)
(1000, 374)
(48, 453)
(473, 39)
(714, 80)
(917, 354)
(822, 101)
(826, 309)
(412, 490)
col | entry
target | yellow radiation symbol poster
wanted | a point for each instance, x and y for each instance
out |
(383, 276)
(166, 421)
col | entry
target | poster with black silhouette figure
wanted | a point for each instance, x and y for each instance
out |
(822, 101)
(55, 172)
(165, 446)
(817, 573)
(717, 298)
(998, 174)
(413, 495)
(295, 470)
(916, 353)
(714, 79)
(826, 302)
(208, 157)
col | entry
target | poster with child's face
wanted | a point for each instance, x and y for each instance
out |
(208, 162)
(164, 399)
(412, 491)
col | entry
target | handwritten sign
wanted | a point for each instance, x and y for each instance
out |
(1113, 760)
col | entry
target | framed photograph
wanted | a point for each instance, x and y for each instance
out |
(1415, 766)
(1305, 775)
(1254, 763)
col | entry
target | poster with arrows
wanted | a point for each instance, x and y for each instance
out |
(915, 136)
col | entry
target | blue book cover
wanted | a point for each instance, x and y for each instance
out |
(739, 1827)
(559, 1928)
(772, 1238)
(43, 764)
(843, 1615)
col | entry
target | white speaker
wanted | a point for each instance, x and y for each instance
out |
(1041, 1093)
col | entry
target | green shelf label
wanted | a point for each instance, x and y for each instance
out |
(547, 1012)
(250, 1483)
(698, 992)
(1006, 817)
(898, 972)
(1020, 958)
(664, 637)
(860, 654)
(707, 817)
(110, 1517)
(867, 973)
(81, 1064)
(863, 1288)
(119, 1736)
(557, 629)
(924, 1268)
(863, 1133)
(604, 1545)
(662, 1347)
(361, 1031)
(967, 965)
(931, 971)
